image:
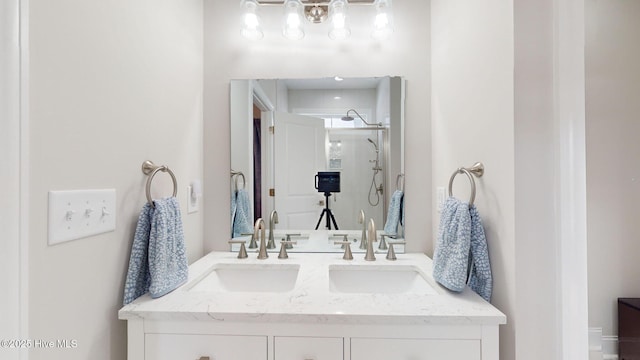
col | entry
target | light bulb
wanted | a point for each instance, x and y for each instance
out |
(383, 22)
(292, 28)
(251, 22)
(338, 14)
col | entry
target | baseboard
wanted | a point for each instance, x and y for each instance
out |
(605, 345)
(610, 347)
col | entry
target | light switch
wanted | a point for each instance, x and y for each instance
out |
(77, 214)
(441, 194)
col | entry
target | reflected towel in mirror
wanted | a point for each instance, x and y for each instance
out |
(241, 223)
(395, 215)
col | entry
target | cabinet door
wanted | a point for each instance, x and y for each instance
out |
(194, 347)
(414, 349)
(308, 348)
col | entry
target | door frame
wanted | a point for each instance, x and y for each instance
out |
(13, 180)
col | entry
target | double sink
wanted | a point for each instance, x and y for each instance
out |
(279, 278)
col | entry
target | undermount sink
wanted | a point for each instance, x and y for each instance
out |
(248, 278)
(378, 280)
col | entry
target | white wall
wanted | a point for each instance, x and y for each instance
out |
(473, 120)
(309, 101)
(229, 56)
(535, 216)
(112, 84)
(613, 150)
(508, 86)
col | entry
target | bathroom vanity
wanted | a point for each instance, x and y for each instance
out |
(312, 306)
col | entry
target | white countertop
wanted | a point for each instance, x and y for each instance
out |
(311, 299)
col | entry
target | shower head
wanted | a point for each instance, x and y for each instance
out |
(351, 118)
(374, 144)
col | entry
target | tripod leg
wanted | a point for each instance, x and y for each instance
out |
(328, 211)
(320, 220)
(333, 219)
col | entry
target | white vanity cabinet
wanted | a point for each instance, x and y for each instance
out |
(212, 347)
(414, 349)
(311, 319)
(228, 340)
(308, 348)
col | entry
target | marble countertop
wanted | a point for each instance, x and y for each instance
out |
(311, 299)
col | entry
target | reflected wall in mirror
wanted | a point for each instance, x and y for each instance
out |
(285, 131)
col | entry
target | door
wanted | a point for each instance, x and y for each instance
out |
(299, 153)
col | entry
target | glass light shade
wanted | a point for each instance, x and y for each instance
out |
(292, 28)
(383, 23)
(250, 21)
(338, 15)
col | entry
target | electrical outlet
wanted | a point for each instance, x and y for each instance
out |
(78, 214)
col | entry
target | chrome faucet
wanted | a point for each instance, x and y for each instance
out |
(273, 220)
(262, 253)
(372, 238)
(363, 237)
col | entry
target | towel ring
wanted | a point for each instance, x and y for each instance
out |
(477, 169)
(149, 168)
(399, 183)
(237, 174)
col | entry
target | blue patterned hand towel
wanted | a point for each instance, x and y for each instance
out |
(242, 219)
(394, 215)
(167, 255)
(138, 278)
(158, 261)
(234, 207)
(451, 255)
(480, 279)
(462, 244)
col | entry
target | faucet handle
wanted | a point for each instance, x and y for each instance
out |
(283, 248)
(289, 245)
(391, 254)
(383, 243)
(252, 243)
(345, 238)
(347, 249)
(242, 254)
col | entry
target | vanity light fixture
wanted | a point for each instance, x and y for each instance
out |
(292, 28)
(251, 21)
(316, 12)
(351, 118)
(338, 13)
(383, 23)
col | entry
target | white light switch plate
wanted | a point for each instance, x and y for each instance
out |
(77, 214)
(193, 204)
(441, 193)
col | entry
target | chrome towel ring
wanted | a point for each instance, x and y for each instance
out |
(151, 169)
(477, 169)
(400, 182)
(238, 174)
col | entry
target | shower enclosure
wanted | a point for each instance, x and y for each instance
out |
(359, 154)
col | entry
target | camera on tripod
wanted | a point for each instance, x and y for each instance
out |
(328, 181)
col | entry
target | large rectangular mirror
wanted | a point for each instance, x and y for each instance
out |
(292, 137)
